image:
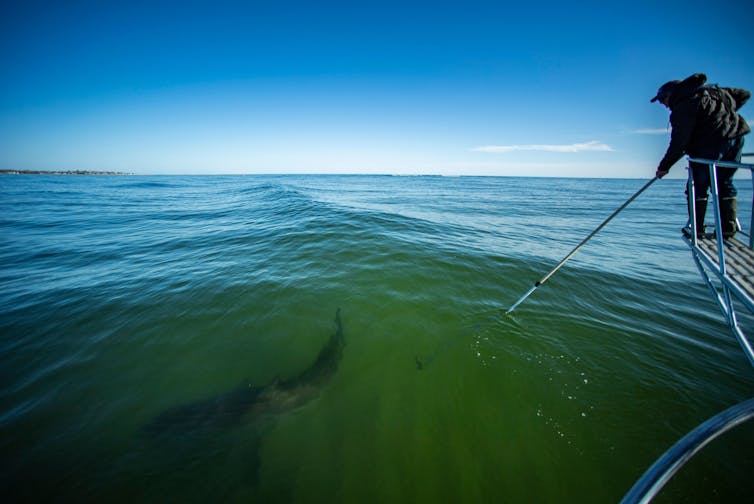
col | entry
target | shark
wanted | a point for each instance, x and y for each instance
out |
(250, 403)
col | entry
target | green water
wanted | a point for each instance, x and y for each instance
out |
(122, 298)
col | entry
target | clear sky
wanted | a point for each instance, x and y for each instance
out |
(465, 87)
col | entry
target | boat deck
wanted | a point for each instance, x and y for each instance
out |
(739, 261)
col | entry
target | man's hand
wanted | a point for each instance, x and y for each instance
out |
(661, 173)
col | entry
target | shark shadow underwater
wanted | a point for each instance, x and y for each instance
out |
(252, 404)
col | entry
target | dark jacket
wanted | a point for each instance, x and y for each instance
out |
(703, 118)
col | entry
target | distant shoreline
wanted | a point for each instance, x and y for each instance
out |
(68, 172)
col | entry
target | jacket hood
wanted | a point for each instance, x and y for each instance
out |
(687, 87)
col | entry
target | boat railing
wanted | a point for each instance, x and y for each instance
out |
(709, 253)
(652, 481)
(710, 250)
(713, 165)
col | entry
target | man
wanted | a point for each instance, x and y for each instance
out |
(705, 124)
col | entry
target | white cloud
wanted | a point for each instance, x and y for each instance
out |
(591, 169)
(577, 147)
(663, 131)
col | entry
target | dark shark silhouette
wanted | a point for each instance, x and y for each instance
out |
(249, 403)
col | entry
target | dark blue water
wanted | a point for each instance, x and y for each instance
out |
(133, 302)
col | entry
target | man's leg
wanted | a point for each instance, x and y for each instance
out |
(726, 189)
(700, 173)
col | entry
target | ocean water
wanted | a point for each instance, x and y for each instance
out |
(123, 298)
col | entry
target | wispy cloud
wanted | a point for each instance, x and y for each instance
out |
(663, 131)
(577, 147)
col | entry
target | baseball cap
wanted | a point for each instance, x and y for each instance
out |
(665, 90)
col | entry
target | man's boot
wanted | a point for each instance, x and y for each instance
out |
(700, 207)
(728, 216)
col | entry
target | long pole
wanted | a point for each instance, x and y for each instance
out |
(576, 249)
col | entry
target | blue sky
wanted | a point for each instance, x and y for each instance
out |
(465, 87)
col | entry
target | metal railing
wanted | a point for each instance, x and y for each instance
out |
(728, 287)
(650, 484)
(713, 166)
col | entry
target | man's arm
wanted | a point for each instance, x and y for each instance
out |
(682, 122)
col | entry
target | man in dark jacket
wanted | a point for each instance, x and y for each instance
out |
(705, 124)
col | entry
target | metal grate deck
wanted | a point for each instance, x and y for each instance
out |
(739, 261)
